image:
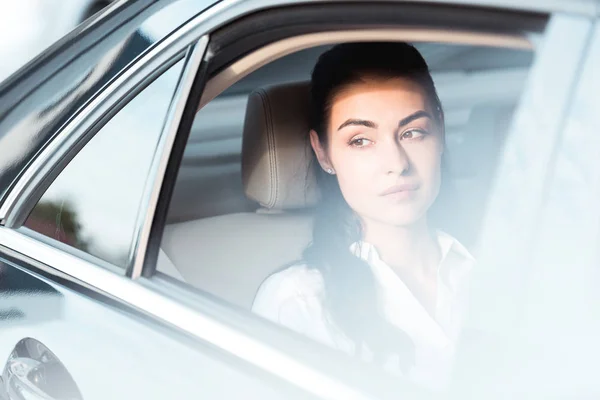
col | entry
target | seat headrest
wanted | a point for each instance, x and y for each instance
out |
(277, 160)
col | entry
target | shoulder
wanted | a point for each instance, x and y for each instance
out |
(297, 280)
(294, 298)
(291, 290)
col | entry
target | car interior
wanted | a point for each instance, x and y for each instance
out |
(241, 207)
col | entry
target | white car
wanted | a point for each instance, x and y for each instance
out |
(131, 250)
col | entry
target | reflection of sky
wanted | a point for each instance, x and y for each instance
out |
(27, 27)
(106, 179)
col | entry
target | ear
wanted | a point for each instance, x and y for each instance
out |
(320, 152)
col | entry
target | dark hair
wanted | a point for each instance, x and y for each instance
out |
(350, 289)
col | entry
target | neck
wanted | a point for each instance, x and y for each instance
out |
(404, 248)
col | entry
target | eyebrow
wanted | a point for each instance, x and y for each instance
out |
(370, 124)
(414, 116)
(360, 122)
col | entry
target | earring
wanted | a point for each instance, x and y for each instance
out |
(330, 171)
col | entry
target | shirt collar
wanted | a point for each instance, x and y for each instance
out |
(455, 259)
(449, 244)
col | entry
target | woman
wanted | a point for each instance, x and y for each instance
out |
(377, 281)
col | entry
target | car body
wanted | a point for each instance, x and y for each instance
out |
(34, 26)
(80, 324)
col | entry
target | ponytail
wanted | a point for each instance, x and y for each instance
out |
(351, 300)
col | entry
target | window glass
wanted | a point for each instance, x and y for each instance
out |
(93, 204)
(562, 298)
(479, 87)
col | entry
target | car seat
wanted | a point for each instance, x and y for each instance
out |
(230, 255)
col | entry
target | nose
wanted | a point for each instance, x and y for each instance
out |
(394, 158)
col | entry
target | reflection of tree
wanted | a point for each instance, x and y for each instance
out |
(59, 221)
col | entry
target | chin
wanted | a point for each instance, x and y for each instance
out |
(402, 220)
(401, 215)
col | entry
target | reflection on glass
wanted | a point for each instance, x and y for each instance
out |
(58, 220)
(93, 204)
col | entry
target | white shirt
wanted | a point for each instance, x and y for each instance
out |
(294, 298)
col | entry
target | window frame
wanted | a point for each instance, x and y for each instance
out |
(224, 49)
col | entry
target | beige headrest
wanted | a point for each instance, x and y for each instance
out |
(277, 167)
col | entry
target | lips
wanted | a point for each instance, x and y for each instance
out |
(401, 189)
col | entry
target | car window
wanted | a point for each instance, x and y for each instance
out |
(480, 88)
(93, 204)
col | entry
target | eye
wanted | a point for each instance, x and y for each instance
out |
(412, 134)
(360, 142)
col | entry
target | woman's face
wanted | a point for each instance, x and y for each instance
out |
(385, 148)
